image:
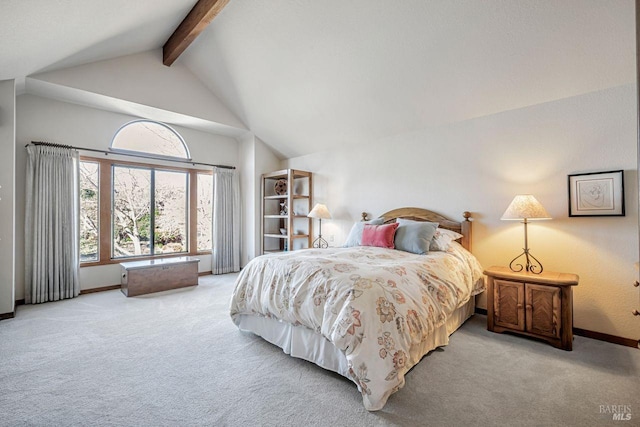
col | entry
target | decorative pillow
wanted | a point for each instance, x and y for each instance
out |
(379, 235)
(415, 236)
(441, 239)
(355, 235)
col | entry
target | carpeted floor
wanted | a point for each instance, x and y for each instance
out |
(176, 359)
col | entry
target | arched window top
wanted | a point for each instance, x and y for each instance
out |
(149, 137)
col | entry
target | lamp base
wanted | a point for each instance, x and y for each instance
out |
(534, 267)
(320, 243)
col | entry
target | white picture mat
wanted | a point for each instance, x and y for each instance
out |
(596, 194)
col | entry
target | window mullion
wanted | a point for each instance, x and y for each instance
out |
(106, 207)
(193, 212)
(152, 214)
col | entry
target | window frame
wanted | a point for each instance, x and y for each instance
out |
(187, 209)
(195, 215)
(152, 208)
(105, 199)
(125, 151)
(98, 208)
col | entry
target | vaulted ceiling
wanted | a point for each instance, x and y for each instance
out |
(306, 75)
(40, 35)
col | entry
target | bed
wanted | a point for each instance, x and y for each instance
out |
(367, 313)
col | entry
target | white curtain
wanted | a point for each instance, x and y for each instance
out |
(51, 224)
(226, 221)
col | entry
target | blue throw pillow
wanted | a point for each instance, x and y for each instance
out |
(415, 236)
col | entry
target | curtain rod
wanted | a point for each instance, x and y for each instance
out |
(50, 144)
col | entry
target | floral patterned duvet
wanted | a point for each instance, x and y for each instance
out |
(376, 305)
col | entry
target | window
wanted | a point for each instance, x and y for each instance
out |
(89, 211)
(139, 230)
(131, 211)
(170, 220)
(141, 210)
(205, 211)
(149, 137)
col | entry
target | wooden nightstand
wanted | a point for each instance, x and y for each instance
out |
(535, 305)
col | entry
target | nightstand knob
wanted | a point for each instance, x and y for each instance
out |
(636, 284)
(635, 313)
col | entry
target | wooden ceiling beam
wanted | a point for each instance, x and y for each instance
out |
(196, 21)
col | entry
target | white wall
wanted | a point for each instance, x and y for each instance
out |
(248, 189)
(143, 79)
(266, 161)
(256, 159)
(479, 165)
(42, 119)
(7, 194)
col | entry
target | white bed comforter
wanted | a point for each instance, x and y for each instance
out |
(374, 304)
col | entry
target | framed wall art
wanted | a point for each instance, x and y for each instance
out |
(596, 194)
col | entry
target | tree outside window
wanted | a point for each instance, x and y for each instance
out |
(131, 211)
(153, 209)
(89, 211)
(205, 211)
(170, 232)
(137, 229)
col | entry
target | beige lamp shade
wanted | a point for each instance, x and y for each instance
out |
(319, 211)
(525, 206)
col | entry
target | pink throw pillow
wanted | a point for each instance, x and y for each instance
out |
(379, 235)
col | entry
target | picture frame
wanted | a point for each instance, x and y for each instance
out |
(596, 194)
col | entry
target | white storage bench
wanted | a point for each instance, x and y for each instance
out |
(155, 275)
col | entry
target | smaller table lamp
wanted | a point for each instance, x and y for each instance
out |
(321, 212)
(527, 208)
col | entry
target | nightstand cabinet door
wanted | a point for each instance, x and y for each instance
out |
(543, 310)
(508, 304)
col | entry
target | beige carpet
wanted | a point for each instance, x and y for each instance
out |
(176, 359)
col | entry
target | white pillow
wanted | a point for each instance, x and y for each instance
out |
(443, 238)
(355, 235)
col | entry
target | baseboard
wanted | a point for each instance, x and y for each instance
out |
(627, 342)
(100, 289)
(4, 316)
(90, 291)
(82, 292)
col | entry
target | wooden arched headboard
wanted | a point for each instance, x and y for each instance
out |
(418, 214)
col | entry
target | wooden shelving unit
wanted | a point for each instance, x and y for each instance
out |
(294, 221)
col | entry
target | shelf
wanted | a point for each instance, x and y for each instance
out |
(296, 204)
(284, 174)
(285, 196)
(284, 236)
(285, 216)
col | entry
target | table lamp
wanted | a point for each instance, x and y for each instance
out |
(321, 212)
(527, 208)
